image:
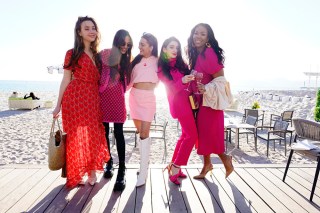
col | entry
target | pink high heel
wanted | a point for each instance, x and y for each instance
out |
(182, 175)
(173, 178)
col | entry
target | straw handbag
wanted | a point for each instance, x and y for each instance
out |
(56, 148)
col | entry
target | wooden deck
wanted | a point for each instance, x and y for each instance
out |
(251, 188)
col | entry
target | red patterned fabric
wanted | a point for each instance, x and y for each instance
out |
(86, 148)
(112, 93)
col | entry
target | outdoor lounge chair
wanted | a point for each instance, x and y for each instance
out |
(249, 120)
(285, 116)
(254, 113)
(158, 131)
(310, 131)
(276, 133)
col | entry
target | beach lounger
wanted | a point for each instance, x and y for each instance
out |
(21, 103)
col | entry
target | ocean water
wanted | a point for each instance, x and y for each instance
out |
(236, 86)
(29, 86)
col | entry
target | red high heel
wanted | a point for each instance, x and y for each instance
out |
(182, 175)
(173, 178)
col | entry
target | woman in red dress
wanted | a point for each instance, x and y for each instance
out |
(86, 146)
(206, 57)
(114, 79)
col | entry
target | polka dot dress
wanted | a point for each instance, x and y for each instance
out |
(113, 105)
(86, 148)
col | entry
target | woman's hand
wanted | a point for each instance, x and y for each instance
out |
(201, 88)
(187, 78)
(56, 111)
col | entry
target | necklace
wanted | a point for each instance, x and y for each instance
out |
(145, 61)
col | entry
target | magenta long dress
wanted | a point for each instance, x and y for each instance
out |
(210, 122)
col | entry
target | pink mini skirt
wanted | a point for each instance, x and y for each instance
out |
(142, 104)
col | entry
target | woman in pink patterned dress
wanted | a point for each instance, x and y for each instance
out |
(206, 56)
(175, 75)
(86, 146)
(114, 78)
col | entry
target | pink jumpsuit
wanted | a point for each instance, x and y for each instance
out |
(180, 108)
(210, 122)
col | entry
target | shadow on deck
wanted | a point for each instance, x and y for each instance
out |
(251, 188)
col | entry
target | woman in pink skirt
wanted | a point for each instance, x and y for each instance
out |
(175, 75)
(205, 56)
(142, 101)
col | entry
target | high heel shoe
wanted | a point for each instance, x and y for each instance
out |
(229, 168)
(182, 175)
(204, 172)
(173, 178)
(92, 178)
(82, 181)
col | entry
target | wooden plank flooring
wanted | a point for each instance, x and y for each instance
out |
(251, 188)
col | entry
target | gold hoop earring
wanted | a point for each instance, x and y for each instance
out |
(208, 44)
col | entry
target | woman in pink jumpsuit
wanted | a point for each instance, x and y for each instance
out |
(175, 75)
(206, 56)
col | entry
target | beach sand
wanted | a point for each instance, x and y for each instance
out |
(24, 133)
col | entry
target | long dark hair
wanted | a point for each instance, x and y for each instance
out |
(152, 41)
(163, 62)
(78, 48)
(192, 51)
(119, 63)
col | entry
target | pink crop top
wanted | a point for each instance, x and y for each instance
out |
(145, 71)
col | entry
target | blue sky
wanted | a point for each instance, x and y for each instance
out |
(265, 41)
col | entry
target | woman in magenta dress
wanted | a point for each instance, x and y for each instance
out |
(86, 146)
(114, 78)
(175, 75)
(206, 56)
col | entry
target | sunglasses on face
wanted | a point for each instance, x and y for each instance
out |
(124, 44)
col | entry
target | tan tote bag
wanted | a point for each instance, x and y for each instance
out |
(56, 147)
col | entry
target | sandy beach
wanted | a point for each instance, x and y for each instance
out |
(24, 133)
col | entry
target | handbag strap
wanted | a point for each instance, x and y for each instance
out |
(53, 126)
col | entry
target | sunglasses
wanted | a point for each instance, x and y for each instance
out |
(124, 44)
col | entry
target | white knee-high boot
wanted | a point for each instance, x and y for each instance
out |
(144, 161)
(138, 146)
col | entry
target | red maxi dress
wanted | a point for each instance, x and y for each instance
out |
(86, 147)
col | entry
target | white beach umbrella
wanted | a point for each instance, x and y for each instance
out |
(59, 69)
